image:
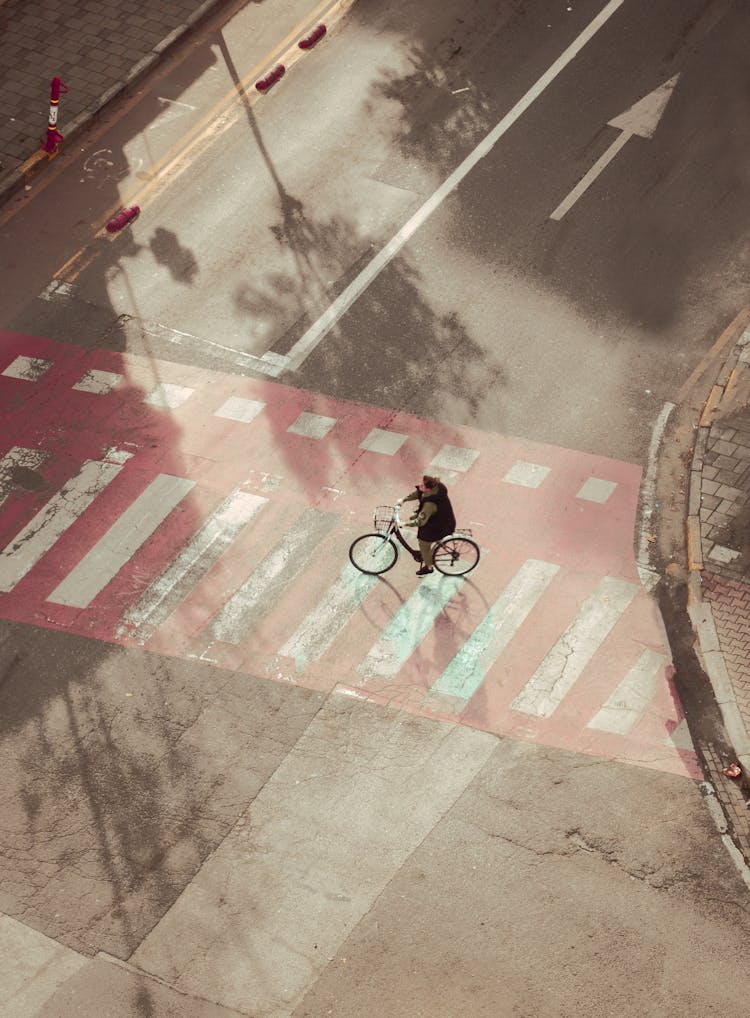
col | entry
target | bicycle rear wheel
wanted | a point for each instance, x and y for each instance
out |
(455, 556)
(373, 554)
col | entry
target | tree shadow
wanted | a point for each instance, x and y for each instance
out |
(635, 246)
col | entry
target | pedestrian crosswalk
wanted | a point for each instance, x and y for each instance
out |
(209, 516)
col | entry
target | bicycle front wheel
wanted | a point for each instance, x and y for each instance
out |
(373, 554)
(455, 556)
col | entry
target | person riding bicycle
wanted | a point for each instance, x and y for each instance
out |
(434, 517)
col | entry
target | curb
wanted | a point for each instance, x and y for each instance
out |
(701, 615)
(15, 180)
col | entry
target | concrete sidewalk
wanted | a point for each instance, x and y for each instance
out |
(719, 559)
(97, 48)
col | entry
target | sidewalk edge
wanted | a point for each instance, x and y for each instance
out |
(17, 179)
(699, 610)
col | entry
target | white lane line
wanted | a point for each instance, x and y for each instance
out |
(102, 563)
(467, 670)
(319, 329)
(632, 696)
(557, 674)
(18, 456)
(51, 522)
(266, 583)
(171, 588)
(409, 626)
(318, 630)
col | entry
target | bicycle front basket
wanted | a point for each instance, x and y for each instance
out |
(383, 517)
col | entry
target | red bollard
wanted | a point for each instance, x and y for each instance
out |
(53, 135)
(310, 40)
(271, 78)
(123, 218)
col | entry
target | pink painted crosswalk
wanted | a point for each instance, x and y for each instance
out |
(206, 515)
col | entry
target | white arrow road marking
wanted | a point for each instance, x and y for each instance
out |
(642, 119)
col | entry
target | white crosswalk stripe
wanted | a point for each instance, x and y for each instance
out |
(263, 587)
(321, 626)
(409, 626)
(632, 696)
(558, 672)
(122, 540)
(180, 555)
(467, 670)
(51, 522)
(319, 619)
(170, 589)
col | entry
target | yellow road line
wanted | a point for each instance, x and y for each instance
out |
(224, 115)
(735, 327)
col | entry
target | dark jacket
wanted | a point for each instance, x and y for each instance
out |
(442, 522)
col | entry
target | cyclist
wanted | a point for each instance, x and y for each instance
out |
(434, 518)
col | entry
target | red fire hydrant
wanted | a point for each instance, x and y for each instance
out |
(53, 135)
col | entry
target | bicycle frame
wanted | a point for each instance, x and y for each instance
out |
(395, 530)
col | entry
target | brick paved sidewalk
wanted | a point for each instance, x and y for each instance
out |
(97, 47)
(719, 529)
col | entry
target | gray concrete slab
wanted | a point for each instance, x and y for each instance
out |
(356, 796)
(472, 924)
(33, 966)
(104, 988)
(122, 772)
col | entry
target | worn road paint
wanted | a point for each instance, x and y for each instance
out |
(562, 666)
(137, 523)
(467, 670)
(51, 522)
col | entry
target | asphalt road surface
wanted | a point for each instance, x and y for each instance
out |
(264, 783)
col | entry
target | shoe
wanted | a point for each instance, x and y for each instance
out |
(424, 571)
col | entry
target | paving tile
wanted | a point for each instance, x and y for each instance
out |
(311, 425)
(385, 442)
(237, 408)
(453, 457)
(168, 396)
(98, 382)
(528, 475)
(30, 369)
(719, 553)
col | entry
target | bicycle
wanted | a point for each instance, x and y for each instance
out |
(376, 553)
